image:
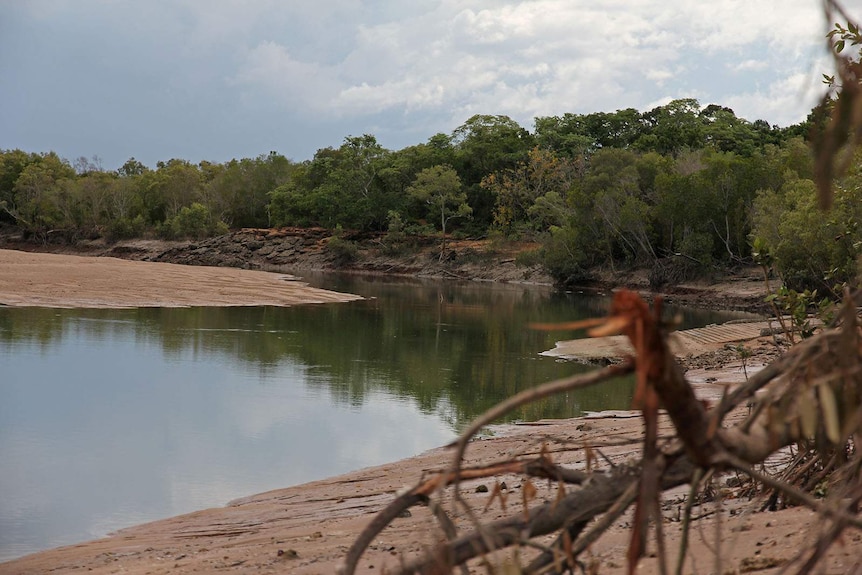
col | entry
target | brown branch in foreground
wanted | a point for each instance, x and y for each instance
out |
(594, 498)
(540, 467)
(707, 447)
(588, 538)
(527, 396)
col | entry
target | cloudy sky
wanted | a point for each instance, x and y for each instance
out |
(222, 79)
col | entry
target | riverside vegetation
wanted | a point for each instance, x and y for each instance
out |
(680, 190)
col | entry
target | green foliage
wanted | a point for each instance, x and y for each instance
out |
(396, 241)
(343, 251)
(528, 258)
(194, 221)
(798, 305)
(440, 189)
(805, 245)
(561, 256)
(673, 184)
(516, 190)
(483, 145)
(125, 228)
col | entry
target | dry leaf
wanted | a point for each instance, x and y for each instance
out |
(808, 413)
(831, 420)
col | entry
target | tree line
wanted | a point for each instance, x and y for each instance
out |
(680, 188)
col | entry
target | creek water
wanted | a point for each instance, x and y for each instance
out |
(110, 418)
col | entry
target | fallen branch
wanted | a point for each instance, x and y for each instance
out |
(802, 385)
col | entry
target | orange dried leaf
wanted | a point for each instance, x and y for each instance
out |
(614, 325)
(580, 324)
(567, 548)
(528, 493)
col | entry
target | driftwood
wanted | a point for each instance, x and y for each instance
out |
(810, 398)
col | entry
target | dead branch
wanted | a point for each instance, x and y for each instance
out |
(595, 498)
(809, 396)
(541, 467)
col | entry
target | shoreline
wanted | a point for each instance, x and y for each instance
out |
(290, 250)
(72, 281)
(305, 529)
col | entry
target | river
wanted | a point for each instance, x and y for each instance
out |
(110, 418)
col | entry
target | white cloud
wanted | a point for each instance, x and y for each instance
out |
(785, 101)
(547, 56)
(748, 65)
(294, 83)
(391, 65)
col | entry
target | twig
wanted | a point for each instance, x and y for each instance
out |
(686, 518)
(793, 492)
(541, 467)
(597, 530)
(594, 498)
(528, 396)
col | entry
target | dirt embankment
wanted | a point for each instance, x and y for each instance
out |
(292, 249)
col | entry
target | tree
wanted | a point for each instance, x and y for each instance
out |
(517, 190)
(34, 201)
(808, 248)
(338, 187)
(174, 185)
(440, 188)
(485, 144)
(132, 167)
(611, 205)
(673, 127)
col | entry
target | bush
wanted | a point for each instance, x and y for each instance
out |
(395, 242)
(809, 248)
(125, 228)
(342, 251)
(528, 258)
(194, 221)
(561, 257)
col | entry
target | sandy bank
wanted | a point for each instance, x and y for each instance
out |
(54, 280)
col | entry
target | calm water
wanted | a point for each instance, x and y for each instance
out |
(110, 418)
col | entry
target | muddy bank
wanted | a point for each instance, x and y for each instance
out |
(296, 249)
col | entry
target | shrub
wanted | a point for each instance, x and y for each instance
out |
(343, 251)
(194, 221)
(804, 244)
(125, 228)
(561, 256)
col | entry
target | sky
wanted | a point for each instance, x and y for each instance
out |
(221, 79)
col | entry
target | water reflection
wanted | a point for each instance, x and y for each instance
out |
(113, 417)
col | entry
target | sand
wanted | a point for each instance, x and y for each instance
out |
(54, 280)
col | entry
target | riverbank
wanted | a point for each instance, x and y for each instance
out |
(307, 529)
(287, 250)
